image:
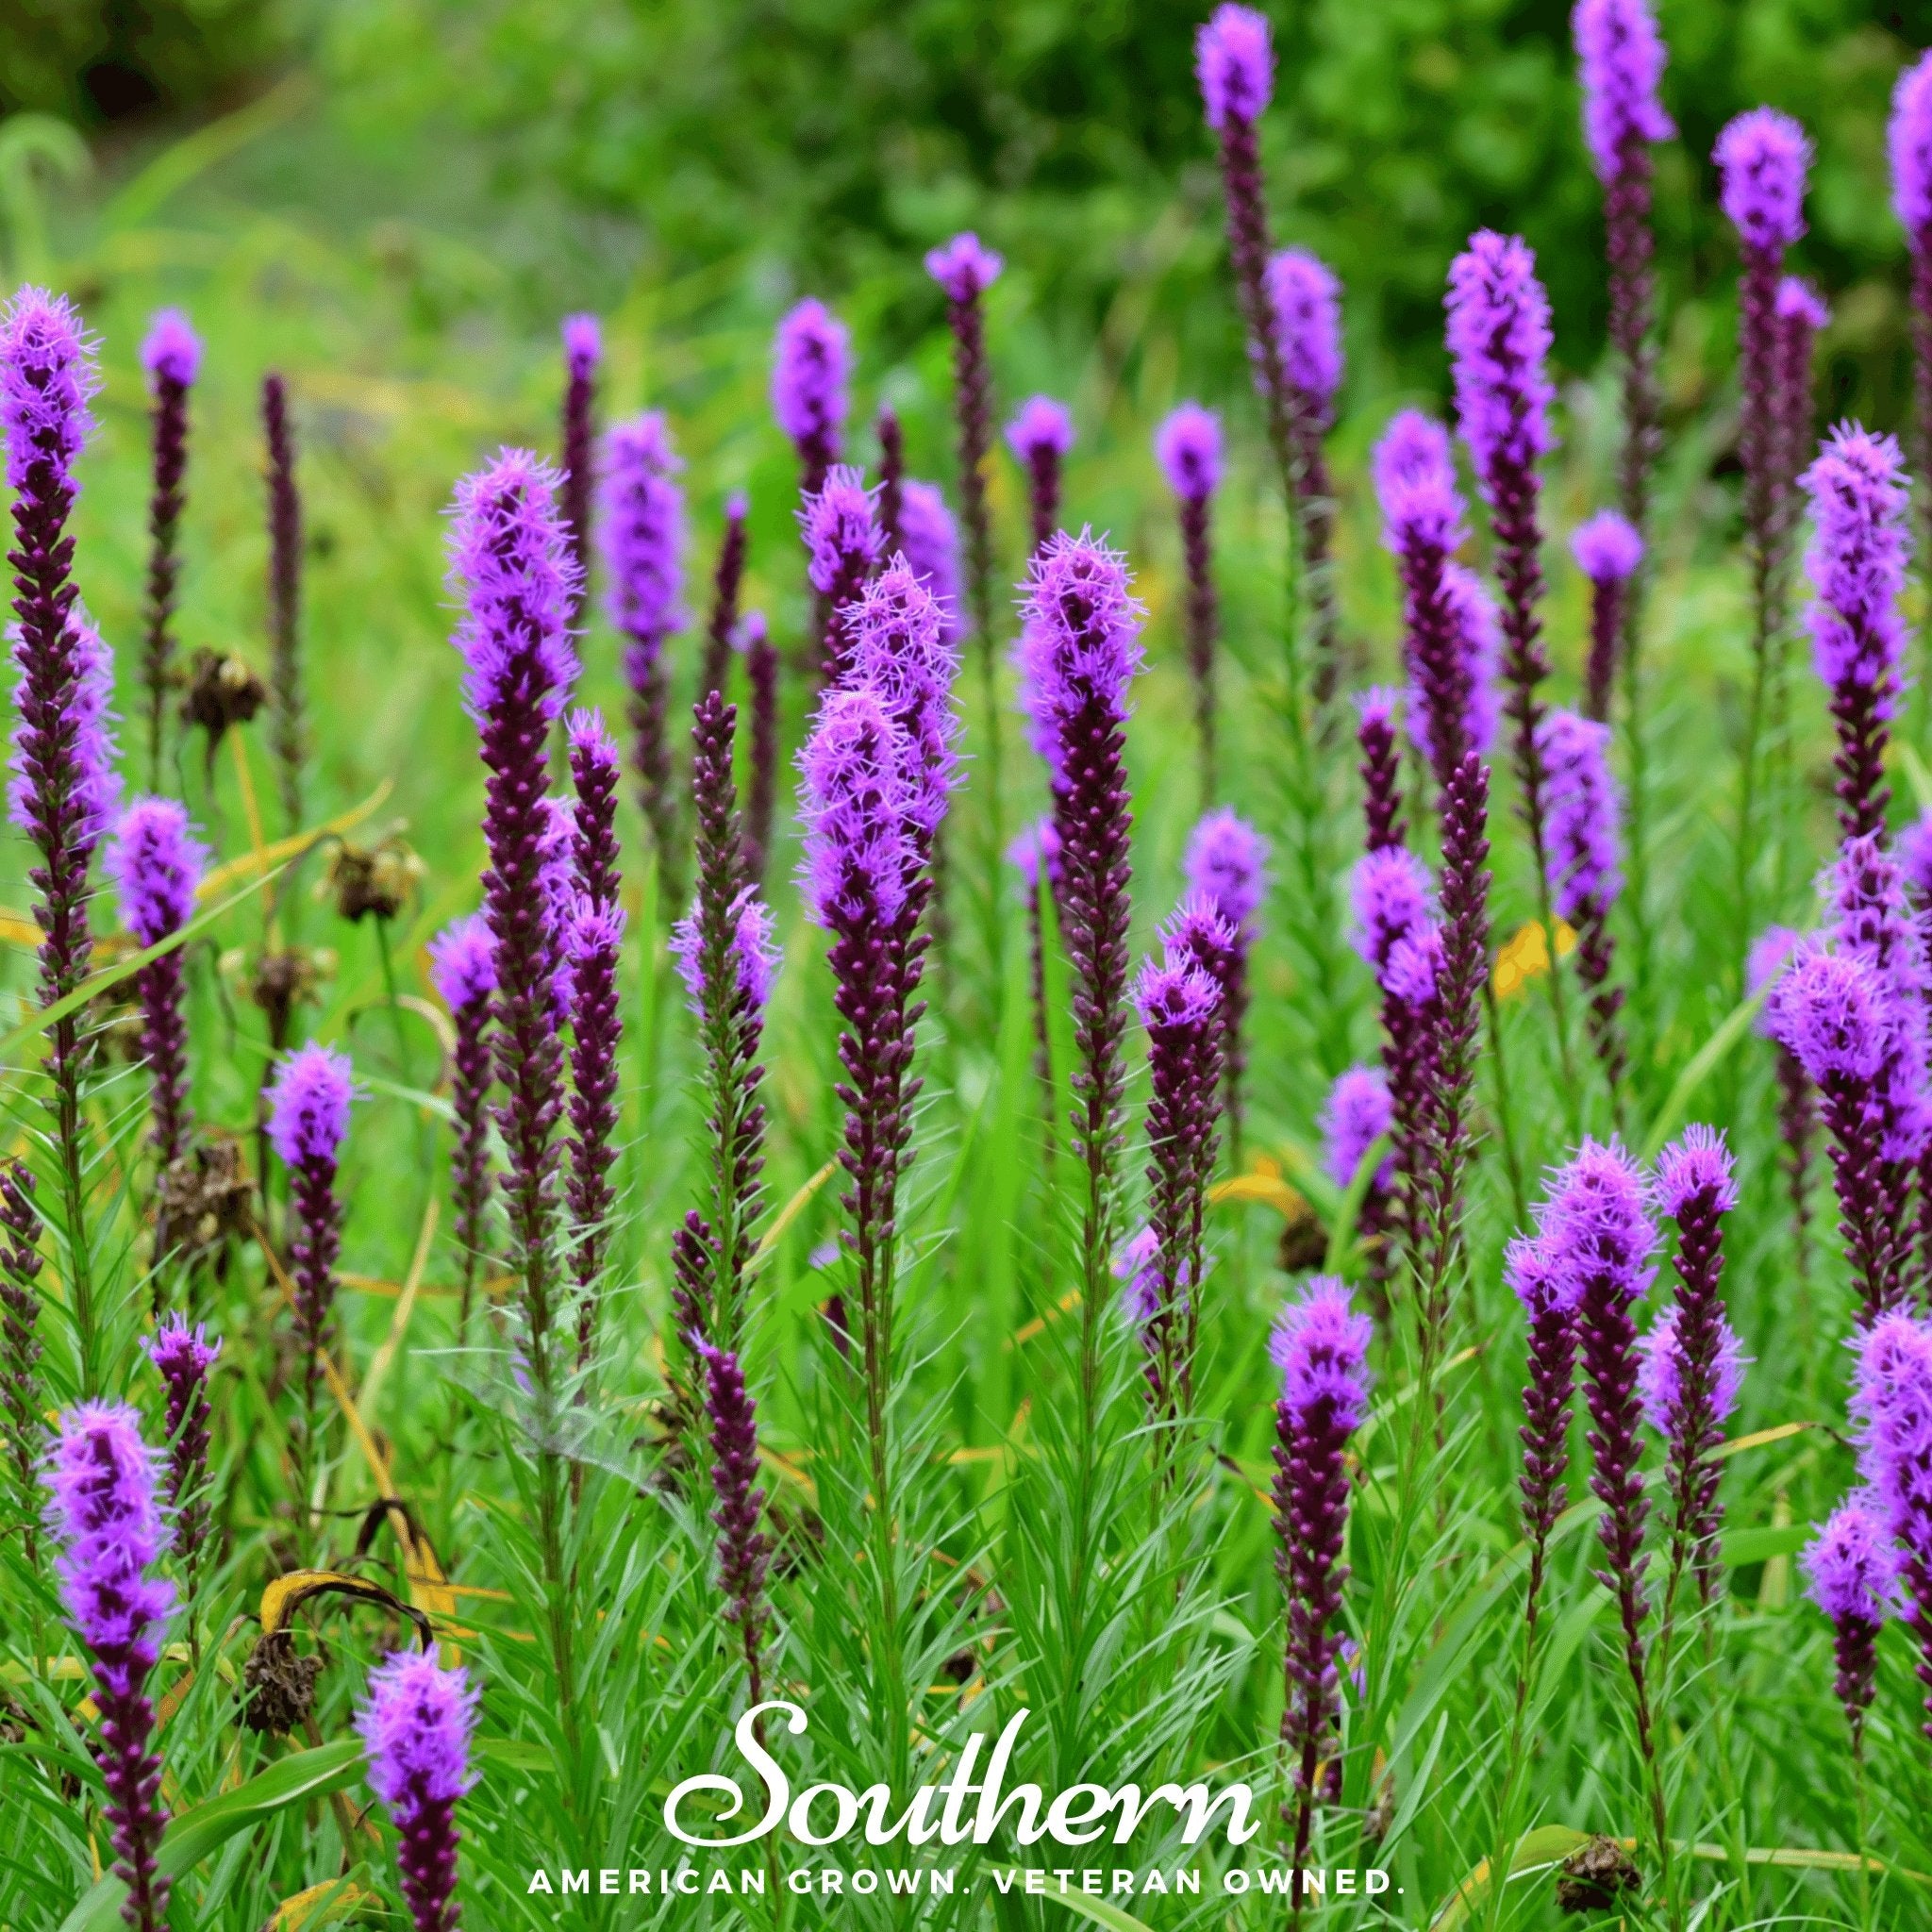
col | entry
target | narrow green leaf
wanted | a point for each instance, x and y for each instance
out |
(1704, 1062)
(1096, 1909)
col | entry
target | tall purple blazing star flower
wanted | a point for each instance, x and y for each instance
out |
(157, 865)
(727, 582)
(63, 790)
(509, 561)
(183, 1357)
(1227, 865)
(965, 268)
(416, 1729)
(640, 531)
(1854, 1567)
(1041, 436)
(930, 548)
(745, 1551)
(762, 787)
(1608, 550)
(1860, 498)
(811, 365)
(842, 538)
(1380, 766)
(1909, 144)
(105, 1515)
(462, 966)
(170, 356)
(1621, 59)
(1797, 1104)
(1548, 1294)
(1891, 1408)
(1321, 1347)
(1584, 874)
(583, 350)
(1188, 447)
(1356, 1115)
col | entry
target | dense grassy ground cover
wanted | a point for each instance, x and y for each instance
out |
(1151, 1651)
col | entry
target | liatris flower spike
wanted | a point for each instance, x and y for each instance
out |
(1854, 1567)
(462, 965)
(63, 789)
(1321, 1347)
(930, 547)
(1797, 1105)
(1179, 1003)
(509, 561)
(745, 1551)
(641, 532)
(1909, 140)
(183, 1357)
(1474, 647)
(594, 942)
(104, 1514)
(1548, 1294)
(892, 441)
(308, 1120)
(811, 362)
(1860, 497)
(841, 534)
(1622, 60)
(157, 865)
(1380, 768)
(1584, 877)
(1801, 316)
(583, 350)
(1891, 1408)
(20, 1342)
(1607, 551)
(965, 268)
(762, 791)
(289, 733)
(1035, 855)
(1356, 1115)
(727, 580)
(1693, 1365)
(1499, 340)
(416, 1730)
(1041, 436)
(170, 354)
(1597, 1226)
(1227, 865)
(1188, 445)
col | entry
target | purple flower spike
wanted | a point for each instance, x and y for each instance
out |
(1380, 766)
(1356, 1115)
(725, 952)
(21, 1396)
(641, 533)
(1321, 1347)
(509, 562)
(1860, 497)
(1892, 1406)
(1762, 158)
(1582, 856)
(105, 1515)
(1188, 445)
(1854, 1567)
(1391, 901)
(1179, 1001)
(1234, 59)
(170, 354)
(811, 364)
(1799, 315)
(965, 268)
(417, 1728)
(727, 580)
(858, 842)
(1909, 142)
(1415, 485)
(308, 1120)
(1226, 866)
(583, 352)
(1458, 666)
(841, 536)
(157, 865)
(1548, 1294)
(930, 545)
(762, 791)
(965, 271)
(182, 1358)
(1608, 550)
(1621, 58)
(1306, 299)
(462, 965)
(900, 650)
(745, 1551)
(1041, 436)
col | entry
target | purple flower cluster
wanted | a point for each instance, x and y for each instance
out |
(1608, 550)
(1762, 158)
(462, 967)
(842, 540)
(1854, 1567)
(104, 1513)
(1234, 60)
(1582, 860)
(1380, 766)
(1909, 142)
(1860, 497)
(583, 350)
(745, 1551)
(1548, 1294)
(416, 1730)
(170, 354)
(811, 364)
(1188, 447)
(1226, 867)
(930, 544)
(1357, 1113)
(1305, 300)
(1621, 56)
(965, 268)
(182, 1358)
(1041, 436)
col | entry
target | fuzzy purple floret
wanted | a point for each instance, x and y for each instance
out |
(1762, 158)
(1188, 447)
(1234, 61)
(1908, 144)
(1607, 548)
(583, 344)
(510, 564)
(1039, 843)
(1582, 816)
(1798, 301)
(811, 363)
(83, 777)
(47, 375)
(1854, 1565)
(640, 528)
(1662, 1377)
(1621, 58)
(964, 267)
(929, 543)
(1391, 901)
(1042, 425)
(462, 962)
(157, 865)
(1320, 1346)
(754, 953)
(1137, 1268)
(1414, 475)
(1356, 1115)
(308, 1105)
(171, 351)
(1080, 639)
(1499, 342)
(416, 1729)
(1226, 862)
(1859, 496)
(855, 811)
(1771, 953)
(1305, 299)
(902, 651)
(842, 533)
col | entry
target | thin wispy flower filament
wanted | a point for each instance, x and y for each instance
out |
(170, 356)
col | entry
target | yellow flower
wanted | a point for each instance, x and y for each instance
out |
(1529, 954)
